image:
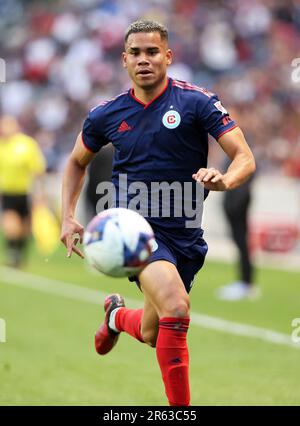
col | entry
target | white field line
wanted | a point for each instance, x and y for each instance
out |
(75, 292)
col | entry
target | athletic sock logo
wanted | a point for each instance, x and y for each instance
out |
(175, 361)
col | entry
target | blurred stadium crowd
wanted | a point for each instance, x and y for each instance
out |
(63, 57)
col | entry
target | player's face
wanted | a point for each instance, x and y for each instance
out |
(8, 126)
(146, 58)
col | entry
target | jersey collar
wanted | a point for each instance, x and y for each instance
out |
(154, 99)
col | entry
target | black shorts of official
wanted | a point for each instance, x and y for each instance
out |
(18, 203)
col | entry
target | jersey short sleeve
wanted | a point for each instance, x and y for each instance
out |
(92, 131)
(214, 118)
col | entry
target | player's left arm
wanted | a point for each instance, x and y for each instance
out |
(242, 164)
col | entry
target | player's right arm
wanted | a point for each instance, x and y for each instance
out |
(73, 180)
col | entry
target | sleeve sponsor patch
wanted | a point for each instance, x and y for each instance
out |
(220, 107)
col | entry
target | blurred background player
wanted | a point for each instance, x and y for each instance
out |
(236, 208)
(21, 162)
(99, 170)
(236, 205)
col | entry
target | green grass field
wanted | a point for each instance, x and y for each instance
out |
(49, 357)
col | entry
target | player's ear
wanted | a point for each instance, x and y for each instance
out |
(124, 59)
(169, 56)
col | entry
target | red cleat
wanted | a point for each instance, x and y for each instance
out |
(105, 338)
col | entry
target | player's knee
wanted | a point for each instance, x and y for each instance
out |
(150, 337)
(177, 308)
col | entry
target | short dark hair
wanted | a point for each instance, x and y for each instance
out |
(145, 26)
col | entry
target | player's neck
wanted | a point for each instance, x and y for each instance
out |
(147, 95)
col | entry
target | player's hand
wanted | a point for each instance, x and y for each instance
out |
(212, 179)
(71, 234)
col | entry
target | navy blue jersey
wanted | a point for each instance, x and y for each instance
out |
(165, 140)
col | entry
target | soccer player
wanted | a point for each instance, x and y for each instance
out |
(159, 130)
(236, 206)
(21, 163)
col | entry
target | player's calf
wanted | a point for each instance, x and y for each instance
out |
(150, 336)
(173, 358)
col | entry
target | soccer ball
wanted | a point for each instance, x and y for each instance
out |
(117, 242)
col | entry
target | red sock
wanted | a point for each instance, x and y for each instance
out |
(173, 358)
(129, 320)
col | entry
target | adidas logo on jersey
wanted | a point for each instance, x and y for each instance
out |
(124, 127)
